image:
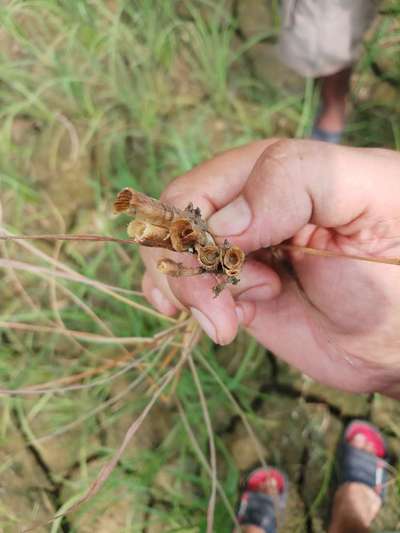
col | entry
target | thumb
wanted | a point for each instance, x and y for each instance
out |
(294, 183)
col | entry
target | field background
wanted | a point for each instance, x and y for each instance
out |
(95, 96)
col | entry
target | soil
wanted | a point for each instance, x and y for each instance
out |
(301, 421)
(299, 424)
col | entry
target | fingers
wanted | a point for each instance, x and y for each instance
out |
(154, 279)
(295, 183)
(211, 186)
(216, 182)
(258, 282)
(283, 326)
(277, 199)
(217, 316)
(156, 297)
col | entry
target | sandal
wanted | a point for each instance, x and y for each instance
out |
(355, 465)
(260, 509)
(319, 134)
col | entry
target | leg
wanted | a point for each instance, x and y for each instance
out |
(334, 90)
(356, 503)
(322, 39)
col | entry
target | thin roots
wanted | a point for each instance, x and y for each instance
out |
(185, 328)
(192, 339)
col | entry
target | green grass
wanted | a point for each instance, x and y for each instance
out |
(95, 96)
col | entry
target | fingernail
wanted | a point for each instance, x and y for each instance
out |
(239, 314)
(160, 301)
(206, 325)
(233, 219)
(262, 292)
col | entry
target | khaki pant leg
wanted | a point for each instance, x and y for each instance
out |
(321, 37)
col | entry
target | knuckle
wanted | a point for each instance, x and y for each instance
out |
(282, 157)
(280, 148)
(288, 153)
(275, 163)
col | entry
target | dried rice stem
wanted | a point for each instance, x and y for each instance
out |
(69, 380)
(145, 208)
(64, 237)
(176, 270)
(200, 455)
(188, 232)
(149, 234)
(132, 430)
(183, 234)
(111, 291)
(331, 253)
(82, 335)
(211, 444)
(232, 259)
(209, 257)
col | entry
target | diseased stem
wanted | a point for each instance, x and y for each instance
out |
(163, 226)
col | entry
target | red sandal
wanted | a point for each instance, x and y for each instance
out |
(356, 465)
(260, 509)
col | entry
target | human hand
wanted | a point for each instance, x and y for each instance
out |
(343, 327)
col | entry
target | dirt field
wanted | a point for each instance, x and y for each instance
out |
(77, 127)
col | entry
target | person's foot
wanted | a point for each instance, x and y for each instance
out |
(363, 476)
(264, 497)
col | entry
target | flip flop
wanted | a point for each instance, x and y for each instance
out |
(360, 466)
(259, 509)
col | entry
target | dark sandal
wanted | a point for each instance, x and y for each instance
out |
(359, 466)
(259, 509)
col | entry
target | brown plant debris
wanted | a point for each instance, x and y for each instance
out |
(177, 270)
(163, 226)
